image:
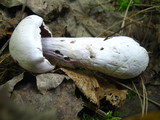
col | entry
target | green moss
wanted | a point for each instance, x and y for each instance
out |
(124, 3)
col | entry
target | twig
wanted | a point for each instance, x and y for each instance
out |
(150, 100)
(137, 93)
(101, 4)
(143, 94)
(4, 46)
(95, 109)
(2, 58)
(23, 8)
(145, 97)
(123, 28)
(142, 11)
(125, 15)
(139, 12)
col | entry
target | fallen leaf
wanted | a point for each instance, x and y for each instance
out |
(105, 85)
(96, 88)
(85, 26)
(116, 97)
(86, 82)
(9, 86)
(10, 3)
(48, 9)
(48, 81)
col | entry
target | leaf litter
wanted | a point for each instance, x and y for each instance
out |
(49, 81)
(86, 83)
(92, 87)
(63, 91)
(9, 86)
(62, 100)
(95, 89)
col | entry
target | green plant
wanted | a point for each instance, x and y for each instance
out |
(110, 117)
(131, 94)
(118, 113)
(124, 3)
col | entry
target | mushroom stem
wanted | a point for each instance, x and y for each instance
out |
(120, 57)
(71, 49)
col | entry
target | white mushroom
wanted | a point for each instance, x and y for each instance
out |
(25, 45)
(120, 57)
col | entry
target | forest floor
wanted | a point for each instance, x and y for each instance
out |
(138, 19)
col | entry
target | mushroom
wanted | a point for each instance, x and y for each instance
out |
(25, 45)
(120, 57)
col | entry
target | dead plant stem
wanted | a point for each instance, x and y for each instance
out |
(150, 100)
(145, 98)
(95, 109)
(143, 94)
(125, 16)
(4, 46)
(137, 93)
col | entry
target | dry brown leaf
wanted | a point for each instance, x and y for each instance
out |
(116, 97)
(48, 81)
(86, 82)
(96, 88)
(104, 86)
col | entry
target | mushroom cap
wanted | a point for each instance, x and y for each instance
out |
(25, 45)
